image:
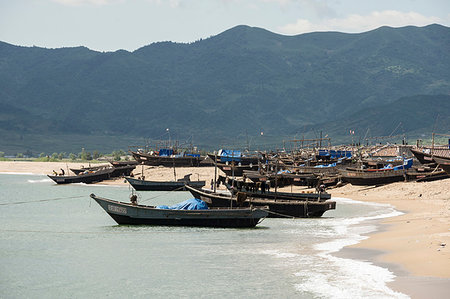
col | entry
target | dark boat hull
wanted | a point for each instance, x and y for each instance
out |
(236, 170)
(360, 178)
(152, 160)
(89, 178)
(119, 170)
(242, 160)
(279, 208)
(129, 214)
(142, 185)
(423, 158)
(444, 163)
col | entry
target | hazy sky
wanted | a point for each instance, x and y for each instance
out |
(109, 25)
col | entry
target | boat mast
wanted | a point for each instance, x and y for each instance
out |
(215, 171)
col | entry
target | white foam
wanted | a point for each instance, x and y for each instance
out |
(279, 254)
(347, 278)
(20, 173)
(47, 180)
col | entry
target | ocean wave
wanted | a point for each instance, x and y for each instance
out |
(47, 180)
(347, 278)
(21, 173)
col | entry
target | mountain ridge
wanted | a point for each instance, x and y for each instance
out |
(245, 78)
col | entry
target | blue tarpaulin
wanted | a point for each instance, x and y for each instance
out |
(327, 165)
(164, 152)
(190, 204)
(406, 164)
(335, 154)
(230, 155)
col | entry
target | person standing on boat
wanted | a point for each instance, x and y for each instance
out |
(263, 187)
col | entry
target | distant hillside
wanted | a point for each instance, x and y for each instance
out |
(238, 83)
(415, 116)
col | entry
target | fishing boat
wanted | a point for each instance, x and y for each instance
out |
(368, 177)
(84, 177)
(135, 214)
(143, 185)
(157, 159)
(278, 207)
(443, 162)
(239, 158)
(121, 169)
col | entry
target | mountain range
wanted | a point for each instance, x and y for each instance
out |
(243, 82)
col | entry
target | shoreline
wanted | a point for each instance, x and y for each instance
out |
(409, 245)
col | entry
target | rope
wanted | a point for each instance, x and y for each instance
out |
(279, 214)
(177, 189)
(41, 200)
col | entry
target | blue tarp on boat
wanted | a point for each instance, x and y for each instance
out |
(190, 204)
(230, 155)
(326, 165)
(335, 154)
(165, 152)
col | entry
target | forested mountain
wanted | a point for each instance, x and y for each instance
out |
(240, 82)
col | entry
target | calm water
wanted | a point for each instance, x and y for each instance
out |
(61, 244)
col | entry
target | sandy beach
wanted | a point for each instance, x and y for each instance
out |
(415, 245)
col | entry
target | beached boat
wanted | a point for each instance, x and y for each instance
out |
(143, 185)
(443, 162)
(239, 158)
(278, 208)
(87, 178)
(261, 190)
(369, 177)
(423, 155)
(129, 213)
(118, 169)
(168, 160)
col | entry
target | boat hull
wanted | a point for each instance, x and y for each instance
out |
(142, 185)
(278, 208)
(89, 178)
(152, 160)
(373, 178)
(444, 163)
(129, 214)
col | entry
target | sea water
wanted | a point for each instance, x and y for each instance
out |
(55, 242)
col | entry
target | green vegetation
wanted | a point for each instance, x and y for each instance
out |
(222, 90)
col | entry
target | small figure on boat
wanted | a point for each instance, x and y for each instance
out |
(321, 188)
(54, 172)
(133, 199)
(62, 172)
(212, 184)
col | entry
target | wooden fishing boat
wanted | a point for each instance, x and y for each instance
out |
(443, 162)
(129, 213)
(234, 156)
(87, 178)
(278, 208)
(424, 155)
(118, 169)
(167, 161)
(369, 177)
(143, 185)
(261, 191)
(236, 170)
